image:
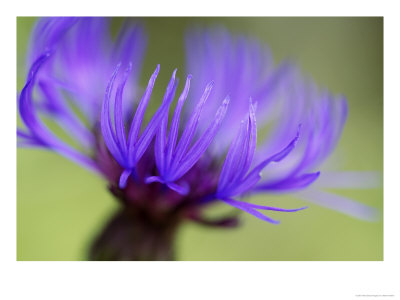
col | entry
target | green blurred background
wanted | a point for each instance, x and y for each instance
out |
(60, 206)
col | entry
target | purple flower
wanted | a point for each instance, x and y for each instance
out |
(210, 150)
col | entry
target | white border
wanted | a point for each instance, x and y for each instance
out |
(197, 280)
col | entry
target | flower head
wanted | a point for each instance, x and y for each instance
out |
(210, 150)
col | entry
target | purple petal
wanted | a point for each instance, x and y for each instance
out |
(182, 189)
(229, 162)
(151, 128)
(246, 152)
(141, 109)
(290, 184)
(340, 204)
(263, 207)
(191, 126)
(173, 133)
(249, 210)
(253, 137)
(152, 179)
(161, 138)
(160, 144)
(123, 179)
(118, 114)
(106, 126)
(197, 150)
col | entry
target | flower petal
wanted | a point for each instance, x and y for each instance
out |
(190, 128)
(249, 210)
(290, 184)
(106, 126)
(341, 204)
(141, 109)
(201, 145)
(118, 114)
(173, 132)
(151, 128)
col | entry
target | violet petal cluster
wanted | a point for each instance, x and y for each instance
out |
(210, 150)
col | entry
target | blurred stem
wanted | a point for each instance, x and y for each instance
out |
(130, 235)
